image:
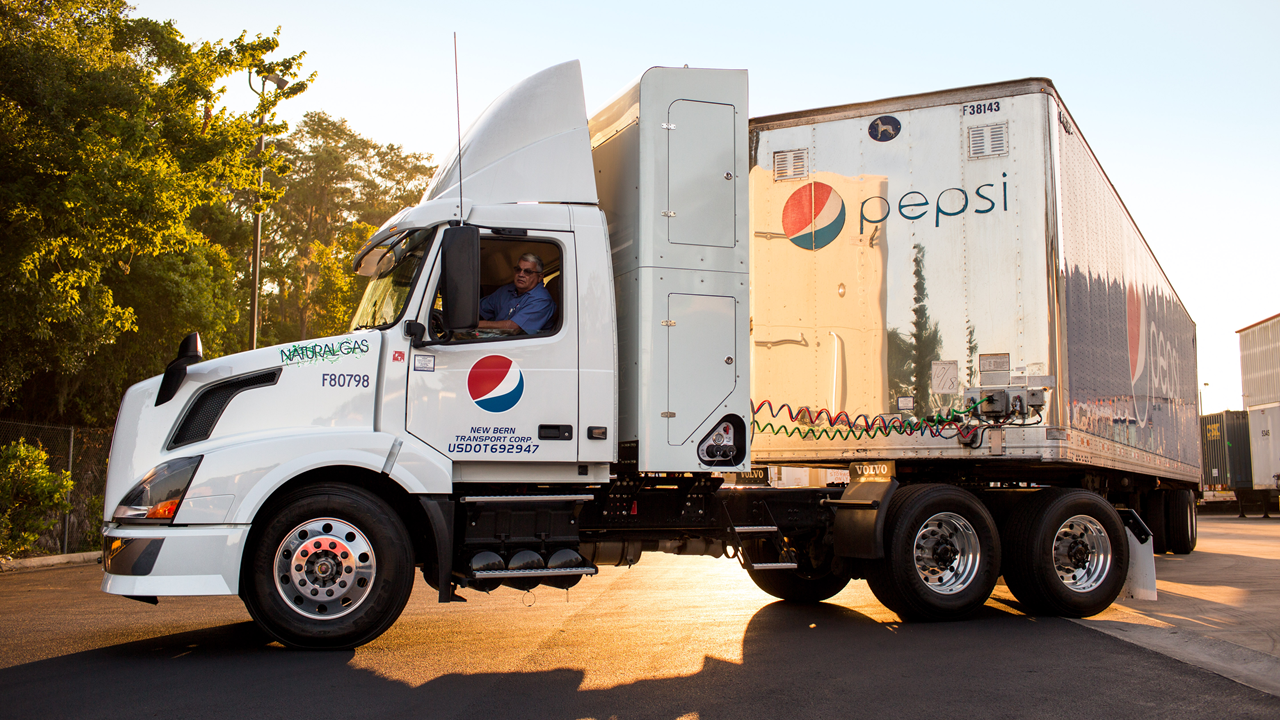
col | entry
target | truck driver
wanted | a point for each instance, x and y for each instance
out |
(520, 307)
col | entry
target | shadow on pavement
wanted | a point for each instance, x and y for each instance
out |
(823, 661)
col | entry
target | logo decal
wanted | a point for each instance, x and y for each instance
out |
(496, 383)
(397, 356)
(884, 129)
(813, 216)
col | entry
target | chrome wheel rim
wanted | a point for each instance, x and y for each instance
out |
(947, 553)
(324, 568)
(1082, 553)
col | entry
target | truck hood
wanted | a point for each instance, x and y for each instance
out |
(303, 387)
(530, 145)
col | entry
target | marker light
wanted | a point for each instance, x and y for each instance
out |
(157, 496)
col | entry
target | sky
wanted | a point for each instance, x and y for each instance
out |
(1177, 99)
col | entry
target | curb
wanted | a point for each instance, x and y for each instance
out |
(1257, 670)
(50, 561)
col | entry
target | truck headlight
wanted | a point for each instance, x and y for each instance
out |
(157, 496)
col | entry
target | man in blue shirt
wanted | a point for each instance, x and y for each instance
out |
(523, 306)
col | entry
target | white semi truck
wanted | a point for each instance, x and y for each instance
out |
(315, 479)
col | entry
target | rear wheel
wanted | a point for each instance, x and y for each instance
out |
(942, 554)
(1180, 521)
(1067, 553)
(332, 567)
(1153, 514)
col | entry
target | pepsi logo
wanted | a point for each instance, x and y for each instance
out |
(813, 216)
(495, 383)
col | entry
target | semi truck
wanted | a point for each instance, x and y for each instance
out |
(316, 479)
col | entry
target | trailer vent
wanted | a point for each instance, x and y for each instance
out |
(790, 165)
(988, 141)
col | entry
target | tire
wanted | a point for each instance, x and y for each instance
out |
(1180, 521)
(942, 554)
(814, 580)
(1153, 514)
(1066, 553)
(344, 593)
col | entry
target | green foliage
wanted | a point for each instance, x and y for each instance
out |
(111, 137)
(340, 187)
(31, 495)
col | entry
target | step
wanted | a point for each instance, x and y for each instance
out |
(756, 529)
(526, 498)
(534, 572)
(774, 566)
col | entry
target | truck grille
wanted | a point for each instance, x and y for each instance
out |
(202, 414)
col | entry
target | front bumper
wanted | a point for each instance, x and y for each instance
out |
(154, 560)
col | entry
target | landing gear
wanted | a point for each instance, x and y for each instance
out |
(332, 568)
(1067, 553)
(942, 554)
(1180, 521)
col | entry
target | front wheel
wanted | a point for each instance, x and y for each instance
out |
(331, 568)
(942, 554)
(1068, 553)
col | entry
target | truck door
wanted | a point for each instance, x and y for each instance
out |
(488, 396)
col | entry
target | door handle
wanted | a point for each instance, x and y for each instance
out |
(555, 432)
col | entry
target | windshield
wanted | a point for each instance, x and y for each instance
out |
(387, 293)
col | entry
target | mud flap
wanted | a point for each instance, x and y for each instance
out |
(859, 521)
(1140, 583)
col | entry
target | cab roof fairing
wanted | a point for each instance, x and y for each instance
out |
(530, 145)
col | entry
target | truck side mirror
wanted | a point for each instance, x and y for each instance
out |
(460, 278)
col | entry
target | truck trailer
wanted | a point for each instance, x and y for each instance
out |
(1260, 383)
(911, 256)
(315, 479)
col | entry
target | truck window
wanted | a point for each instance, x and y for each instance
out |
(505, 296)
(387, 292)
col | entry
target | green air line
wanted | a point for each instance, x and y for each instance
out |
(869, 429)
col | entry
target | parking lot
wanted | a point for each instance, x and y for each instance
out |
(670, 637)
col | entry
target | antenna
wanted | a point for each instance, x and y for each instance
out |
(457, 94)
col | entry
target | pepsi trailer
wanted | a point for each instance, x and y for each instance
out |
(316, 479)
(922, 259)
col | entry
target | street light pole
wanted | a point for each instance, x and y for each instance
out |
(280, 84)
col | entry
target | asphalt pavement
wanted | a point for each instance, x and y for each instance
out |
(670, 638)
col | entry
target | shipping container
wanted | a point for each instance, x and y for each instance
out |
(1260, 382)
(912, 256)
(1224, 447)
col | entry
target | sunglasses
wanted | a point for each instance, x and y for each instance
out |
(524, 271)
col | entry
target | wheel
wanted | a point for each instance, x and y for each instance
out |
(332, 567)
(1153, 514)
(1180, 521)
(1067, 553)
(941, 554)
(813, 581)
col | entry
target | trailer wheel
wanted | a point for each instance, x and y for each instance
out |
(1067, 553)
(1180, 521)
(331, 568)
(1153, 515)
(942, 554)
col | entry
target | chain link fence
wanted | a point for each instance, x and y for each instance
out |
(83, 451)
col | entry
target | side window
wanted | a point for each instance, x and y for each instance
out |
(520, 289)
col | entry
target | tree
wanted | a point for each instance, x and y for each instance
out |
(340, 187)
(109, 138)
(30, 496)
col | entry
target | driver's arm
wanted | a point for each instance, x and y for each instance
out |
(504, 325)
